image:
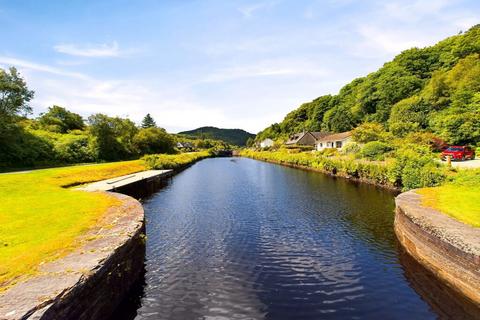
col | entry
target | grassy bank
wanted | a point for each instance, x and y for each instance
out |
(459, 197)
(402, 173)
(40, 217)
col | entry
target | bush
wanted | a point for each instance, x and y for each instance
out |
(24, 148)
(329, 152)
(172, 161)
(414, 168)
(351, 148)
(375, 150)
(153, 140)
(73, 148)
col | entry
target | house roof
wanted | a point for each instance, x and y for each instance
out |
(335, 136)
(295, 137)
(320, 135)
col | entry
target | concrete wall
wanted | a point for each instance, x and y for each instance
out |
(446, 247)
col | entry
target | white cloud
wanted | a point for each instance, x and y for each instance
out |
(9, 61)
(266, 69)
(99, 50)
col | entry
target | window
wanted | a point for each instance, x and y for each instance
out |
(338, 144)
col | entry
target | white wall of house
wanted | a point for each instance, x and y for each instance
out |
(337, 144)
(266, 143)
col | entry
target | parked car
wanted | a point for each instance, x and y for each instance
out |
(458, 153)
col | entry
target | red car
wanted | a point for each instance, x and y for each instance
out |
(458, 153)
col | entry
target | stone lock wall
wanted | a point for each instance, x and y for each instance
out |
(448, 248)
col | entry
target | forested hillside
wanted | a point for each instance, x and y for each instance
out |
(434, 89)
(236, 137)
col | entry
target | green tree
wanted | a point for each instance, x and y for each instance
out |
(370, 131)
(61, 120)
(16, 145)
(250, 142)
(113, 137)
(14, 94)
(148, 122)
(153, 140)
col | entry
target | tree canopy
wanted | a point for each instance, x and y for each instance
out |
(434, 89)
(61, 120)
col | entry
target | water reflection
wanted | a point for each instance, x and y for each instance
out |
(246, 239)
(442, 299)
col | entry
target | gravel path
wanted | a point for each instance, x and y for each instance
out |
(469, 164)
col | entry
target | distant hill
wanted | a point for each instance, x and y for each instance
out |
(232, 136)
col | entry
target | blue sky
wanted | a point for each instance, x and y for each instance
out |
(231, 64)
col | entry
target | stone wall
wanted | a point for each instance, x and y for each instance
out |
(445, 246)
(89, 282)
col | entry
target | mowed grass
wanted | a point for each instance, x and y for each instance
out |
(40, 220)
(459, 197)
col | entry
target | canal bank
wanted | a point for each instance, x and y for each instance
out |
(447, 247)
(379, 181)
(89, 282)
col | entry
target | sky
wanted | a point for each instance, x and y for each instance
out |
(192, 63)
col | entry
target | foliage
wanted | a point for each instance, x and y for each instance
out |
(173, 161)
(375, 150)
(414, 168)
(434, 89)
(370, 131)
(408, 170)
(153, 140)
(148, 122)
(351, 148)
(74, 148)
(14, 94)
(329, 152)
(113, 136)
(236, 137)
(21, 146)
(58, 119)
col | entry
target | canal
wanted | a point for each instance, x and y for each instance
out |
(235, 238)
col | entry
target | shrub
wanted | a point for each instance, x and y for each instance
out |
(72, 148)
(172, 161)
(329, 152)
(351, 148)
(414, 168)
(153, 140)
(375, 150)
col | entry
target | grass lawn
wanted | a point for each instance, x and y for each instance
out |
(459, 197)
(40, 220)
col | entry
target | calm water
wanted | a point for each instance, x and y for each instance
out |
(234, 238)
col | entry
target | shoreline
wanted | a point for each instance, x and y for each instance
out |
(331, 174)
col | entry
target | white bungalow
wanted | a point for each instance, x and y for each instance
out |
(267, 143)
(336, 140)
